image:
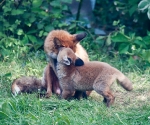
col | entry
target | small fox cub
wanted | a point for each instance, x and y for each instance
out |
(74, 74)
(26, 84)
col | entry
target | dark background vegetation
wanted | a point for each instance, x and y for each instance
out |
(24, 24)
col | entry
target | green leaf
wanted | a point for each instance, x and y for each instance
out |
(26, 15)
(146, 55)
(41, 33)
(143, 5)
(16, 12)
(32, 19)
(40, 25)
(37, 3)
(6, 9)
(57, 13)
(63, 24)
(132, 9)
(55, 4)
(140, 43)
(28, 23)
(48, 28)
(20, 32)
(108, 40)
(5, 52)
(18, 22)
(115, 23)
(139, 38)
(45, 33)
(25, 39)
(72, 26)
(100, 37)
(146, 39)
(65, 7)
(123, 48)
(119, 37)
(32, 38)
(31, 31)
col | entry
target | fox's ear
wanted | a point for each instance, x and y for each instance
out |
(57, 43)
(66, 60)
(79, 62)
(80, 36)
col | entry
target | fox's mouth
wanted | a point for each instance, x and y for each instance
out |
(55, 63)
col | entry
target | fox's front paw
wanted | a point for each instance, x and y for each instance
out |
(48, 94)
(58, 91)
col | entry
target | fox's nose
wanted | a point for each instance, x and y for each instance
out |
(79, 62)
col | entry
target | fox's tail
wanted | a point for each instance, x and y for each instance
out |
(15, 89)
(26, 84)
(124, 81)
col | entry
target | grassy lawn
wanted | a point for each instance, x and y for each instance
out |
(130, 108)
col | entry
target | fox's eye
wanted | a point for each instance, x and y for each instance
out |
(59, 46)
(70, 60)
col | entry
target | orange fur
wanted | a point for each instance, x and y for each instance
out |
(66, 40)
(63, 36)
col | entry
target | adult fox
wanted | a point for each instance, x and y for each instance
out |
(50, 80)
(74, 74)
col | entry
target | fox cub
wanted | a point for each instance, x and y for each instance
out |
(26, 84)
(74, 74)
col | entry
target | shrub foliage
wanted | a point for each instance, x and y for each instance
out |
(25, 24)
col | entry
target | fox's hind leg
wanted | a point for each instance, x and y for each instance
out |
(79, 94)
(104, 90)
(108, 98)
(105, 100)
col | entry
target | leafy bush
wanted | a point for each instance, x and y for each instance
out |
(124, 10)
(129, 35)
(138, 48)
(25, 24)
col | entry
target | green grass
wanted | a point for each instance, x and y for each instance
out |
(130, 108)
